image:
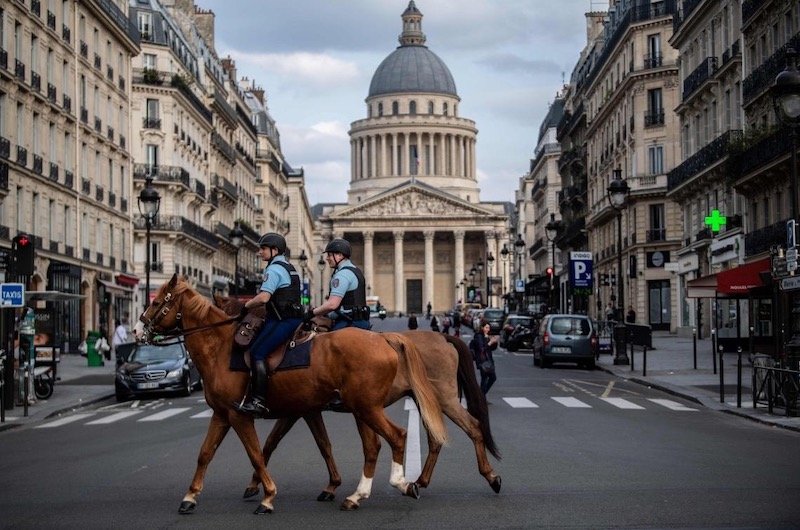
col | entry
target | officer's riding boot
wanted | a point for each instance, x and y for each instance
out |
(256, 401)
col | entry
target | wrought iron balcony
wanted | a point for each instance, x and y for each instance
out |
(69, 179)
(51, 20)
(763, 151)
(199, 188)
(99, 193)
(86, 186)
(699, 76)
(749, 8)
(121, 83)
(84, 115)
(66, 103)
(181, 225)
(730, 53)
(654, 118)
(38, 164)
(87, 254)
(3, 59)
(98, 124)
(656, 234)
(123, 204)
(223, 147)
(120, 18)
(151, 123)
(84, 49)
(162, 173)
(19, 69)
(680, 17)
(112, 262)
(66, 33)
(198, 105)
(5, 148)
(69, 250)
(36, 81)
(22, 156)
(36, 7)
(51, 93)
(53, 172)
(653, 60)
(3, 176)
(224, 185)
(762, 239)
(99, 258)
(110, 73)
(98, 63)
(110, 133)
(763, 77)
(122, 141)
(54, 246)
(112, 199)
(705, 157)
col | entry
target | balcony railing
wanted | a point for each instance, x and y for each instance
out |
(69, 179)
(66, 33)
(19, 69)
(69, 250)
(680, 17)
(98, 124)
(66, 102)
(225, 186)
(699, 76)
(53, 172)
(656, 234)
(87, 254)
(653, 60)
(51, 93)
(123, 204)
(3, 59)
(122, 141)
(749, 8)
(36, 81)
(84, 49)
(84, 115)
(731, 53)
(38, 164)
(98, 63)
(36, 7)
(763, 77)
(121, 19)
(151, 123)
(199, 188)
(762, 239)
(763, 151)
(162, 173)
(121, 83)
(110, 73)
(3, 176)
(112, 199)
(198, 105)
(99, 193)
(86, 186)
(179, 224)
(701, 160)
(654, 118)
(5, 148)
(223, 147)
(51, 20)
(110, 133)
(22, 156)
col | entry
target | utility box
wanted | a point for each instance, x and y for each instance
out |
(640, 335)
(94, 357)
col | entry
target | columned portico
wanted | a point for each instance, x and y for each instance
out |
(369, 269)
(399, 294)
(428, 293)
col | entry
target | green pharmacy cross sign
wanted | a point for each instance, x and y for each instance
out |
(715, 220)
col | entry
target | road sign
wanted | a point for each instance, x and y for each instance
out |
(791, 254)
(12, 295)
(580, 269)
(791, 233)
(790, 284)
(519, 286)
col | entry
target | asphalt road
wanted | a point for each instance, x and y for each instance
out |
(580, 449)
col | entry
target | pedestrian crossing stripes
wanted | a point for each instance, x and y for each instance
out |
(97, 418)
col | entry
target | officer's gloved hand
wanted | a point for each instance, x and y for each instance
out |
(309, 315)
(242, 313)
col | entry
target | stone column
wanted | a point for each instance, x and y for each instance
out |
(372, 155)
(428, 289)
(393, 158)
(399, 280)
(441, 154)
(431, 155)
(459, 259)
(368, 253)
(453, 158)
(491, 247)
(382, 156)
(406, 158)
(352, 160)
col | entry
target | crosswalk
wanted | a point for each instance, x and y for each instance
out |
(110, 415)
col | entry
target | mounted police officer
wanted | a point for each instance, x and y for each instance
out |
(280, 291)
(347, 300)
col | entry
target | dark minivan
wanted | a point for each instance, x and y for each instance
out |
(565, 338)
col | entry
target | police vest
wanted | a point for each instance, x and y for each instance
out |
(285, 301)
(355, 301)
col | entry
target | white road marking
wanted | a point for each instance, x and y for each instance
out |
(572, 402)
(521, 403)
(413, 451)
(114, 417)
(164, 414)
(608, 389)
(622, 403)
(65, 420)
(671, 405)
(205, 414)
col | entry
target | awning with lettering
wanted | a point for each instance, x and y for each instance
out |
(739, 280)
(703, 287)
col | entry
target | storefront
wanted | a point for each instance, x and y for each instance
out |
(66, 278)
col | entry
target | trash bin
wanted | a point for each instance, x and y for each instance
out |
(94, 357)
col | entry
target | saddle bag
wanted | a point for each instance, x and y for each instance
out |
(247, 330)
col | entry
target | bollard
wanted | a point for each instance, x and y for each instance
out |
(644, 361)
(739, 378)
(714, 348)
(721, 378)
(694, 346)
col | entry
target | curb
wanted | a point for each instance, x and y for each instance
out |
(7, 426)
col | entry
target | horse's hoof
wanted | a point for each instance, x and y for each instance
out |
(413, 490)
(348, 506)
(326, 496)
(250, 492)
(421, 484)
(261, 510)
(187, 507)
(495, 484)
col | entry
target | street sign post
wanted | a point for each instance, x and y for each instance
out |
(12, 295)
(580, 269)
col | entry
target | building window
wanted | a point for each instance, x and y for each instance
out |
(395, 108)
(380, 109)
(145, 21)
(151, 151)
(430, 107)
(444, 109)
(658, 224)
(412, 108)
(655, 159)
(149, 61)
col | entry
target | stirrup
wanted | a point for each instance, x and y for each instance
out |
(252, 406)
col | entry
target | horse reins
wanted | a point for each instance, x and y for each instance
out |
(163, 310)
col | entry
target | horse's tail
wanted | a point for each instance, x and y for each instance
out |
(429, 407)
(476, 401)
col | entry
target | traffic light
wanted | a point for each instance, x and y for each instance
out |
(22, 253)
(549, 272)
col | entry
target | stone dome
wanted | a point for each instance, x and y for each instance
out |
(412, 69)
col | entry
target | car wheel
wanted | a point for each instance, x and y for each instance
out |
(187, 386)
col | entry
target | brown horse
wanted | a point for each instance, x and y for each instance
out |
(448, 363)
(358, 365)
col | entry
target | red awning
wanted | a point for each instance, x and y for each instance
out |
(741, 279)
(128, 280)
(703, 287)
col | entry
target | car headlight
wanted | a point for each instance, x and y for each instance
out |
(177, 372)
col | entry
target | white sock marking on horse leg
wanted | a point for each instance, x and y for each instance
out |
(362, 491)
(413, 450)
(398, 479)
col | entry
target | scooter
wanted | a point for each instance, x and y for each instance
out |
(520, 338)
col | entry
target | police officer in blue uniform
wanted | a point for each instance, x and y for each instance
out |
(280, 291)
(347, 300)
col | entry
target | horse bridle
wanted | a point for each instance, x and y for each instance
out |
(162, 309)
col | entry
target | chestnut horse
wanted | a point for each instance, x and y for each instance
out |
(355, 364)
(449, 365)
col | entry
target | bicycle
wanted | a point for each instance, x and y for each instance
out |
(43, 382)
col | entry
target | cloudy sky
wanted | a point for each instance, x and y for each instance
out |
(315, 59)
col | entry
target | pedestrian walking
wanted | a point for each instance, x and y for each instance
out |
(482, 346)
(412, 321)
(446, 323)
(429, 307)
(631, 316)
(434, 323)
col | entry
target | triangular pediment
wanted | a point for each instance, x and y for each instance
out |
(413, 201)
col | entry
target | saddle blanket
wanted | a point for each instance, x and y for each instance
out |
(294, 358)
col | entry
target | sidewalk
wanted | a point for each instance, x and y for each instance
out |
(670, 367)
(78, 385)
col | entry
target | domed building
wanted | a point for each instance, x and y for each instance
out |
(413, 211)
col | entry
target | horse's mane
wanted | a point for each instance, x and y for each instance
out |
(195, 302)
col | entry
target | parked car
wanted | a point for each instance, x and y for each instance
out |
(565, 338)
(153, 369)
(494, 316)
(511, 322)
(466, 313)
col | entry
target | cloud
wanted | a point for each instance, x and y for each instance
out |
(317, 69)
(326, 181)
(512, 63)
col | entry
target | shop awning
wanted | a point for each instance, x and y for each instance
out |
(703, 287)
(114, 287)
(741, 279)
(128, 280)
(51, 296)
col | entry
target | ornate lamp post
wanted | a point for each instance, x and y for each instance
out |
(519, 248)
(489, 272)
(504, 258)
(786, 100)
(479, 266)
(321, 267)
(617, 195)
(551, 229)
(237, 238)
(472, 272)
(149, 201)
(303, 261)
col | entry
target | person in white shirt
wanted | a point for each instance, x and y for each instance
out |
(120, 333)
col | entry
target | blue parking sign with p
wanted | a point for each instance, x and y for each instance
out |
(580, 269)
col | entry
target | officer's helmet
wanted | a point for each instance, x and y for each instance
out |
(273, 240)
(341, 246)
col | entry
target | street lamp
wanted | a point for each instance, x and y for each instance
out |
(149, 202)
(303, 260)
(321, 267)
(489, 272)
(471, 275)
(551, 229)
(480, 274)
(617, 195)
(519, 247)
(237, 238)
(504, 257)
(786, 100)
